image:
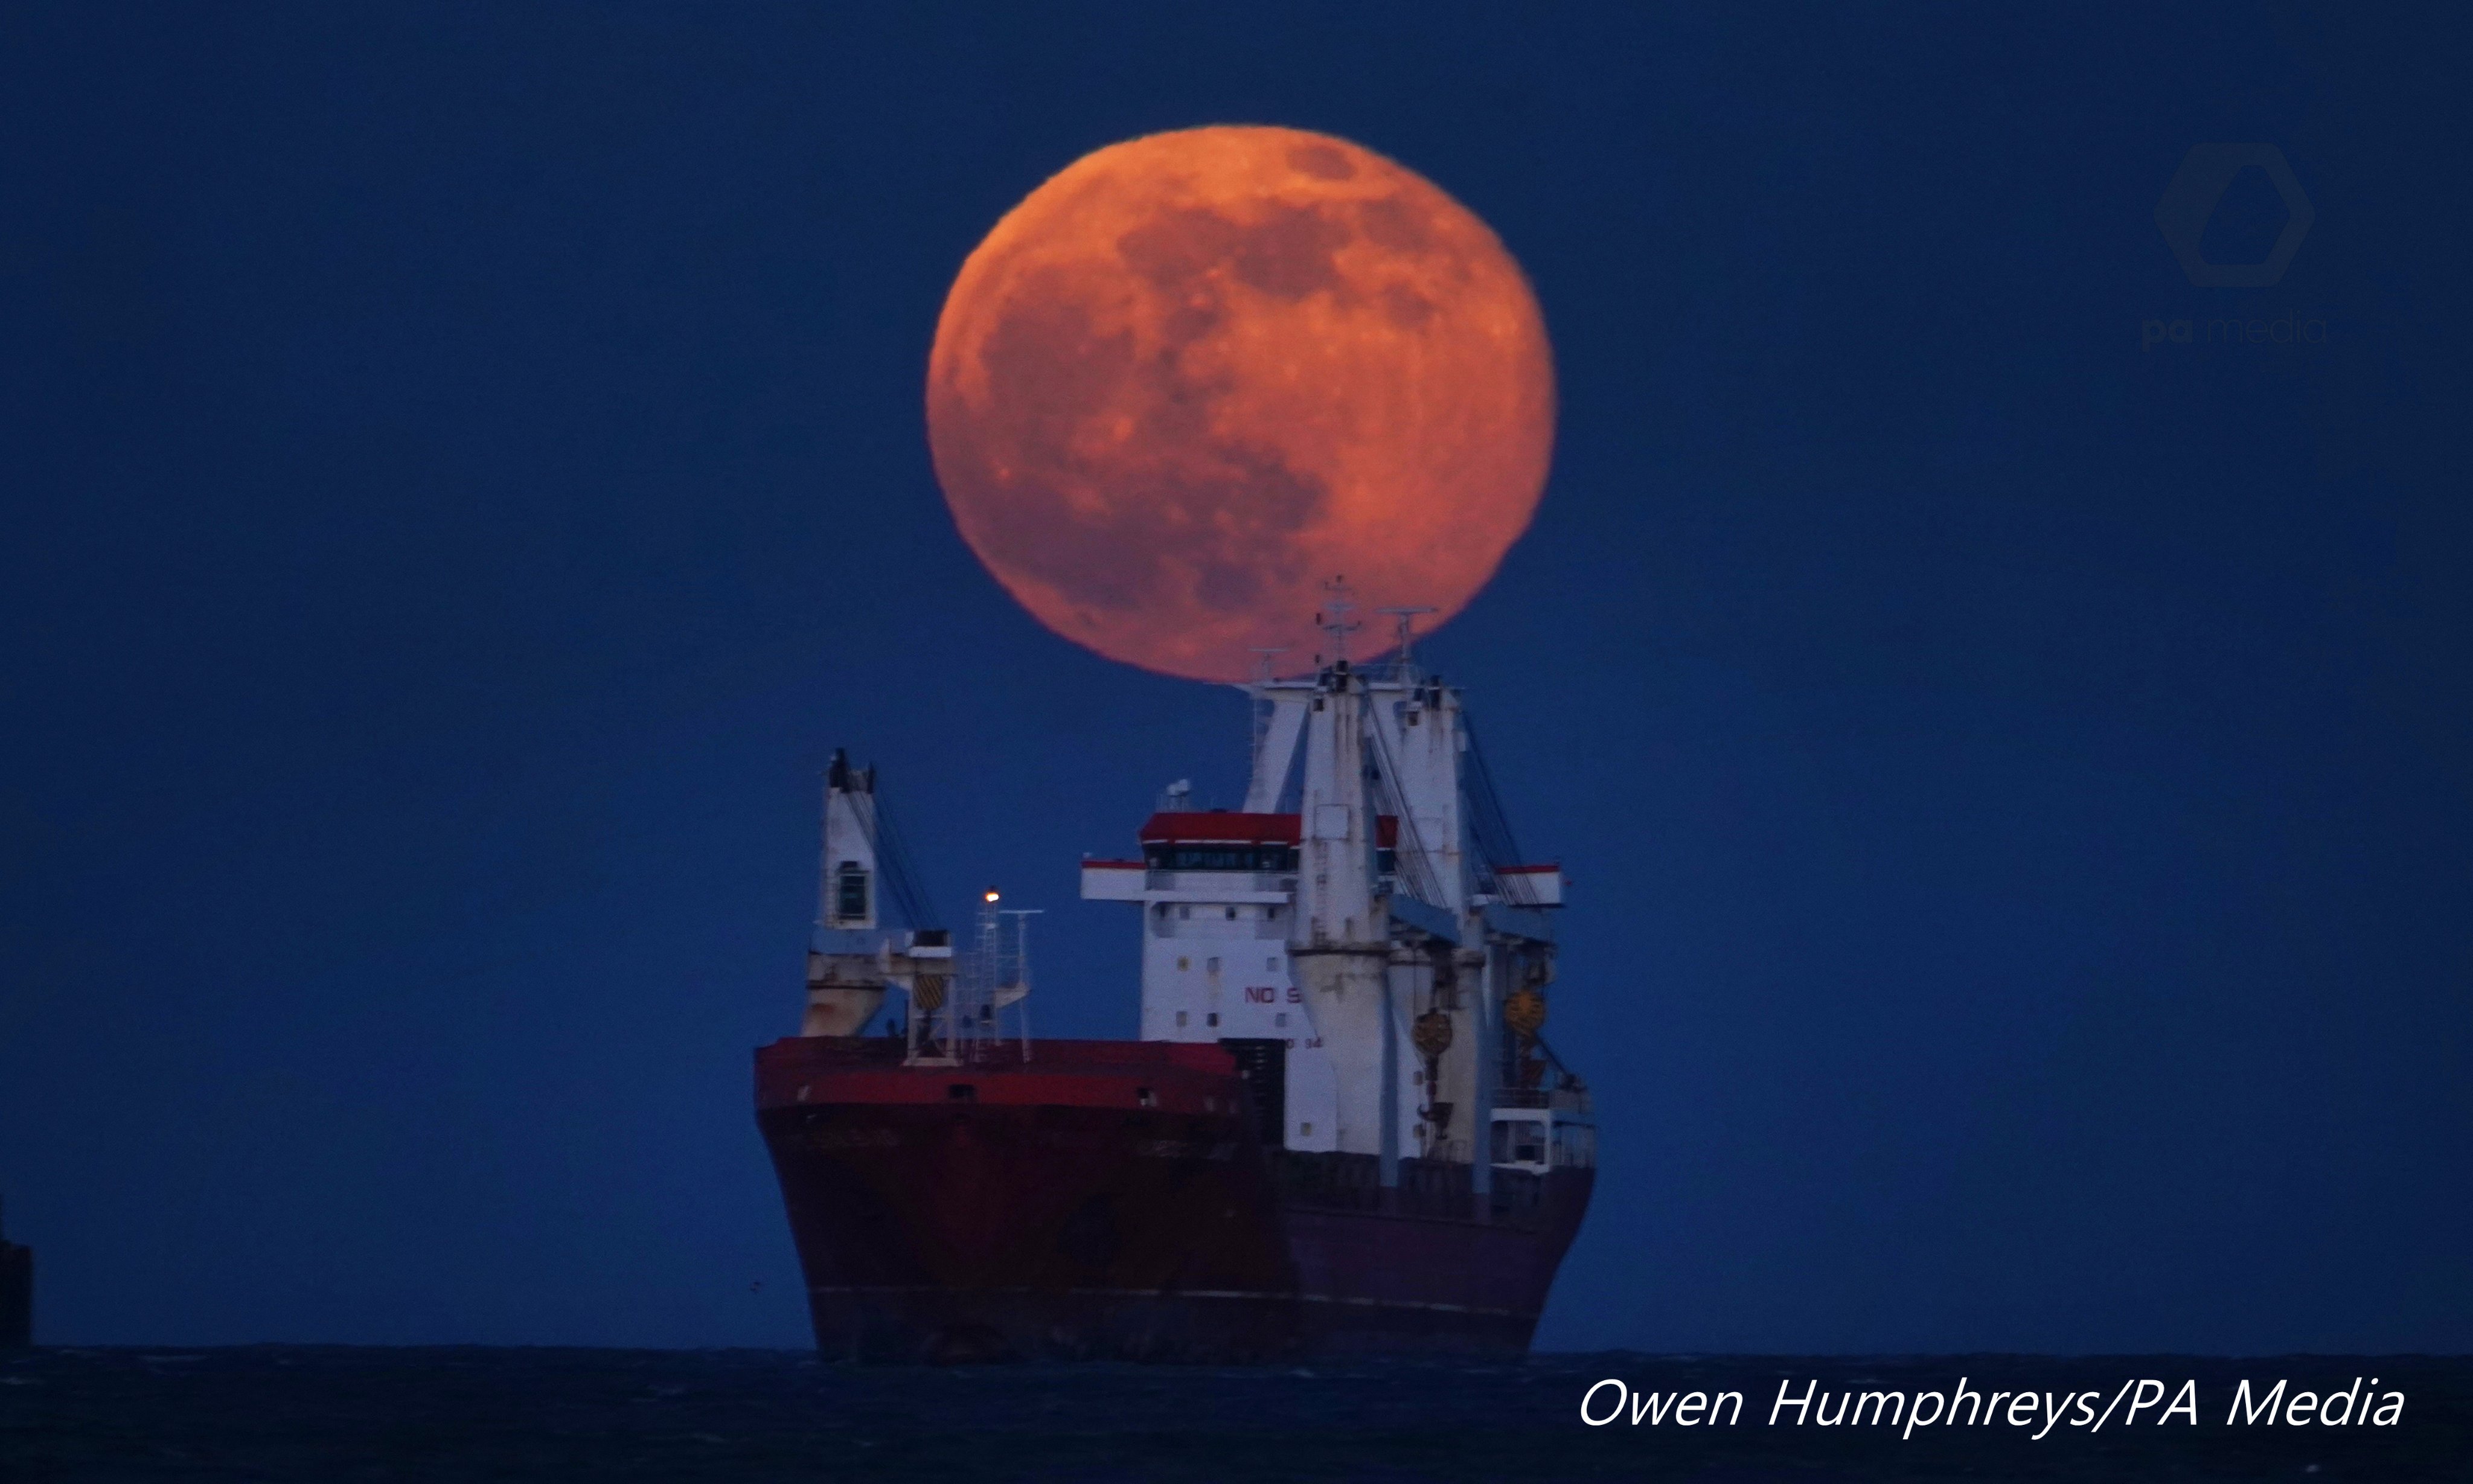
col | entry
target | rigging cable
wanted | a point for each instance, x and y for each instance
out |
(893, 859)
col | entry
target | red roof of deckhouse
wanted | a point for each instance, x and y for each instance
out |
(1228, 826)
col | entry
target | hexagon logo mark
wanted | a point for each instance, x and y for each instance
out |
(2198, 186)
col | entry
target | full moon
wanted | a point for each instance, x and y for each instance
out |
(1197, 375)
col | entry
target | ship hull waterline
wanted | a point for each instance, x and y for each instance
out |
(1110, 1200)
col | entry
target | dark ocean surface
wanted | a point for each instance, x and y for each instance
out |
(285, 1413)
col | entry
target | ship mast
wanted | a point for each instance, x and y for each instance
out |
(968, 1028)
(1407, 617)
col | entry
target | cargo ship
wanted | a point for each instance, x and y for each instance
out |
(1340, 1132)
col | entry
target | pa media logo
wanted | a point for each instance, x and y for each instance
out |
(2198, 187)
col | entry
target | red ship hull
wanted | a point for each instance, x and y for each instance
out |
(1112, 1199)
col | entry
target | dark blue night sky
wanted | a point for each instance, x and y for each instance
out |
(464, 471)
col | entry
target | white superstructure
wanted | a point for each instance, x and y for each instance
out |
(1362, 916)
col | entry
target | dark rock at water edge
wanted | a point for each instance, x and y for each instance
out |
(17, 1294)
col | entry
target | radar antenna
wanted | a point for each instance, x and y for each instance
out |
(1407, 617)
(1339, 602)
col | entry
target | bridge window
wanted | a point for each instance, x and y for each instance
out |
(1221, 857)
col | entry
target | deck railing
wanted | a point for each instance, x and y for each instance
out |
(1562, 1100)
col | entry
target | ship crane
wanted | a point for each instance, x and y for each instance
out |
(956, 1004)
(858, 953)
(1392, 949)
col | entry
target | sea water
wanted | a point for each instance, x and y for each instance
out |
(283, 1413)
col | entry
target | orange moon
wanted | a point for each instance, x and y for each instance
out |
(1198, 374)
